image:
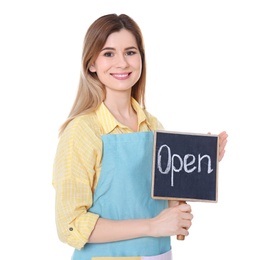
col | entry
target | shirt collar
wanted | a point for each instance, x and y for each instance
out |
(109, 122)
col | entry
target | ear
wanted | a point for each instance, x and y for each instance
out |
(92, 68)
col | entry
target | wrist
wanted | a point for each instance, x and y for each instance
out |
(151, 230)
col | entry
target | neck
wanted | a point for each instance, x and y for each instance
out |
(121, 108)
(119, 104)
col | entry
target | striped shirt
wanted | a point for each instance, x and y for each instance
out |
(77, 167)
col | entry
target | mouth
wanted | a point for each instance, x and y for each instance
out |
(121, 76)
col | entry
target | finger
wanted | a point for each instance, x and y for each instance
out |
(186, 224)
(221, 152)
(173, 203)
(185, 208)
(223, 136)
(222, 143)
(221, 155)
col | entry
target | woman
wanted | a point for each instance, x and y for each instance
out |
(102, 168)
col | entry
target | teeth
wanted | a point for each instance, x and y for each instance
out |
(120, 75)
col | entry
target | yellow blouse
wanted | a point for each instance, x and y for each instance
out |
(77, 168)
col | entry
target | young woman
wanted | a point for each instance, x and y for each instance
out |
(102, 168)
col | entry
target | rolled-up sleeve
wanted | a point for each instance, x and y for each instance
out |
(74, 172)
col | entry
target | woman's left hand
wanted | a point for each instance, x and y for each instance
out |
(222, 143)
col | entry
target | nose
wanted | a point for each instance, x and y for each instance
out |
(121, 61)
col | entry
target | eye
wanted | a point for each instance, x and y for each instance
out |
(129, 53)
(108, 54)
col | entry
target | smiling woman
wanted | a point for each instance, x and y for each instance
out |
(104, 155)
(206, 69)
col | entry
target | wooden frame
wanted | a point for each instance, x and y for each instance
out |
(212, 177)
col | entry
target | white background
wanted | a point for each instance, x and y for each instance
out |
(207, 71)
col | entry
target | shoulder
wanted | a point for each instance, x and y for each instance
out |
(83, 128)
(155, 124)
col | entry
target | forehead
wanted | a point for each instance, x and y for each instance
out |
(123, 38)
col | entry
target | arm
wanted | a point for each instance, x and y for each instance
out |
(75, 167)
(74, 223)
(172, 221)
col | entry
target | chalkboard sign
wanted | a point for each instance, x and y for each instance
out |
(185, 166)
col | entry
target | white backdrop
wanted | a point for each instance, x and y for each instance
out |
(207, 71)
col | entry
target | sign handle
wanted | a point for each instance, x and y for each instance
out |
(181, 237)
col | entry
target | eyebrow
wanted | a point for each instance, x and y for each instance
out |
(112, 49)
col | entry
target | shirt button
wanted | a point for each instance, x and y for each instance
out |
(71, 229)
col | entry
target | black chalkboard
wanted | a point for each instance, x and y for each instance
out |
(185, 166)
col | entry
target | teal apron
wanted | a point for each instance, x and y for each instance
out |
(124, 192)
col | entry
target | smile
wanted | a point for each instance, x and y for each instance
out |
(121, 75)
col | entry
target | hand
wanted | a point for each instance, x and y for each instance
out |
(222, 143)
(175, 220)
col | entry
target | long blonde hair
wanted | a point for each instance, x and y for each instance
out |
(91, 91)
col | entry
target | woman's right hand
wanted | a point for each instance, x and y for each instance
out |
(175, 220)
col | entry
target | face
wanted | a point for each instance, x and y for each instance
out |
(119, 64)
